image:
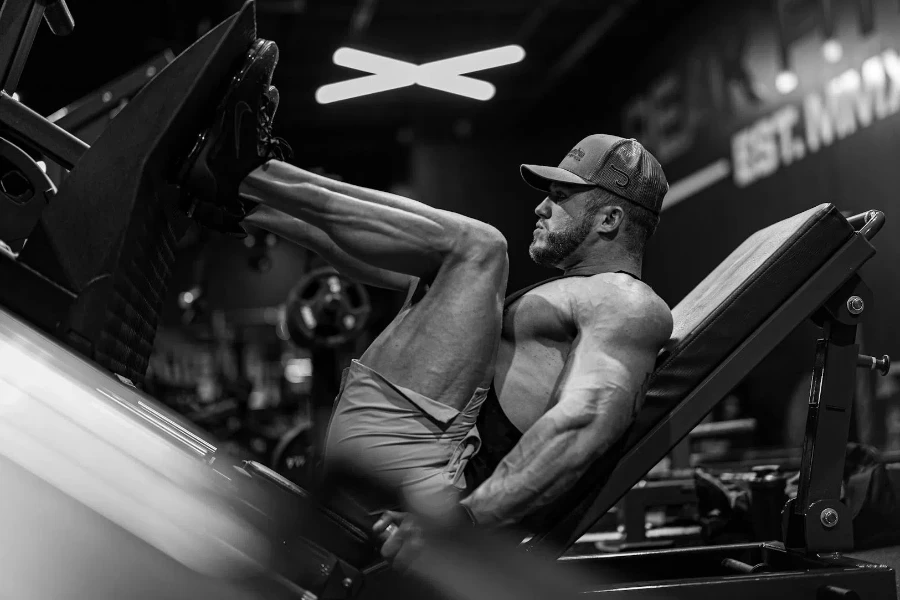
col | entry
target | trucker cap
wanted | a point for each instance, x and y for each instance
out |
(618, 165)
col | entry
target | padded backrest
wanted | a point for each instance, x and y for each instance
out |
(734, 300)
(711, 322)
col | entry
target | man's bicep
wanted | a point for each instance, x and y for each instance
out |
(626, 337)
(606, 374)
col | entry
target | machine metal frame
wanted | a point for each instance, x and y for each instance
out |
(736, 572)
(816, 525)
(19, 23)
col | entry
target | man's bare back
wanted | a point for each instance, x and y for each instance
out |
(541, 327)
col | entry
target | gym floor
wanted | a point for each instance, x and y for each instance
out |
(889, 556)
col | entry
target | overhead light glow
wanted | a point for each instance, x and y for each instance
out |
(832, 51)
(58, 115)
(479, 61)
(389, 73)
(457, 84)
(369, 62)
(298, 370)
(786, 82)
(361, 86)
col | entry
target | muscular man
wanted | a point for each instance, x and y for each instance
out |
(553, 376)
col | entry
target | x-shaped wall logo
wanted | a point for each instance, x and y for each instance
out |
(389, 73)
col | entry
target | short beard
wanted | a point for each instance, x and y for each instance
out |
(561, 244)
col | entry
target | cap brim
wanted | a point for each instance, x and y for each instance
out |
(540, 177)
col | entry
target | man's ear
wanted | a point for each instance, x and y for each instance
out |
(609, 219)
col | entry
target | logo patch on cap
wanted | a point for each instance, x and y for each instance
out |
(575, 154)
(618, 180)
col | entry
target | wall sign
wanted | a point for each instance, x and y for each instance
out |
(717, 113)
(851, 101)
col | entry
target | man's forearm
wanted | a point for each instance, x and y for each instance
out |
(547, 462)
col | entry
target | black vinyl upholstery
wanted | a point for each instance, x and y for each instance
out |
(735, 299)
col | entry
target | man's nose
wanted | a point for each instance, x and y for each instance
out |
(544, 210)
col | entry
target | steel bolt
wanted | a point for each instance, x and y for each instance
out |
(829, 517)
(347, 582)
(855, 305)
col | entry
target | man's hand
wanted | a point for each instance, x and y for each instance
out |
(402, 537)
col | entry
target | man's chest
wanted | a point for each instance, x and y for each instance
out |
(543, 313)
(537, 336)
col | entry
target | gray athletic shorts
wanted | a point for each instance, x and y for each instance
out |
(405, 437)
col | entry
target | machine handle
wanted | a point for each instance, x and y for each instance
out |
(868, 224)
(58, 17)
(882, 365)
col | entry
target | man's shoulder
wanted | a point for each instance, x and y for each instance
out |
(617, 291)
(619, 301)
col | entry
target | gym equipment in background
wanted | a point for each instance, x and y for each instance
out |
(326, 309)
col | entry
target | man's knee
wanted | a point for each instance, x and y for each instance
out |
(481, 243)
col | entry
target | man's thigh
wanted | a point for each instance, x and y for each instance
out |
(444, 345)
